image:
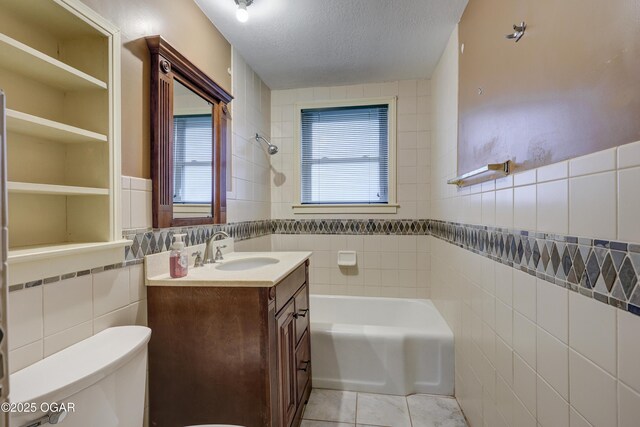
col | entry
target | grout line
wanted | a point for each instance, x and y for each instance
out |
(406, 402)
(355, 423)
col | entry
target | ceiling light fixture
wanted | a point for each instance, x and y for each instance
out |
(241, 14)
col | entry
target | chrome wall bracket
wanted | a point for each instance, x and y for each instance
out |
(503, 168)
(518, 32)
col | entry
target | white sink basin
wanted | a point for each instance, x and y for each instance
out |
(246, 263)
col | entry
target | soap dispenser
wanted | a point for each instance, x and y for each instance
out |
(179, 258)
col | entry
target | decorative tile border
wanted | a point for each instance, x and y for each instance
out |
(605, 270)
(147, 242)
(351, 226)
(71, 275)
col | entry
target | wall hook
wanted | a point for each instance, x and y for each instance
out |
(519, 32)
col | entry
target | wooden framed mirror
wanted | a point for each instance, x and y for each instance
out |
(189, 132)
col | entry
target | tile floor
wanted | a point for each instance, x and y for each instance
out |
(333, 408)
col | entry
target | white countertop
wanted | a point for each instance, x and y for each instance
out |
(157, 267)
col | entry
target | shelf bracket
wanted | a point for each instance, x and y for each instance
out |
(503, 168)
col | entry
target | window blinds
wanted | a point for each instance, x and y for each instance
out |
(192, 159)
(345, 155)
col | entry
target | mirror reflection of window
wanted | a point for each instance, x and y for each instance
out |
(193, 153)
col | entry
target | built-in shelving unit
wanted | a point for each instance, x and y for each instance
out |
(59, 69)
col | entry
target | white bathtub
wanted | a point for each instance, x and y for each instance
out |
(380, 345)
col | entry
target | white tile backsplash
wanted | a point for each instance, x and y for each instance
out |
(524, 338)
(524, 383)
(628, 350)
(628, 406)
(554, 171)
(601, 161)
(592, 206)
(25, 318)
(504, 208)
(110, 291)
(67, 303)
(552, 409)
(387, 265)
(48, 318)
(524, 294)
(552, 362)
(553, 309)
(629, 155)
(524, 178)
(61, 340)
(628, 199)
(588, 381)
(553, 207)
(24, 356)
(592, 330)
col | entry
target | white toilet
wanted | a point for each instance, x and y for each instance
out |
(102, 376)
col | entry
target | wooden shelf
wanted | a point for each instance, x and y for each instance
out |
(55, 17)
(27, 124)
(56, 190)
(33, 253)
(29, 62)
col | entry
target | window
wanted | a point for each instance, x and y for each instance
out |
(192, 161)
(346, 155)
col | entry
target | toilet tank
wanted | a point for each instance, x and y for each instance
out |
(100, 381)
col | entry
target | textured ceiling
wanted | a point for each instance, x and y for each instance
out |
(302, 43)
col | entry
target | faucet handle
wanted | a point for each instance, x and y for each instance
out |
(218, 256)
(198, 262)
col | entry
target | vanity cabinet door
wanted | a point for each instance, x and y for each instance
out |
(287, 363)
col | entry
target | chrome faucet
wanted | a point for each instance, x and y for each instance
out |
(209, 257)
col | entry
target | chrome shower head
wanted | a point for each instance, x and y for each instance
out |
(271, 149)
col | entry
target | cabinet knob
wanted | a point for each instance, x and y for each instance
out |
(301, 313)
(305, 366)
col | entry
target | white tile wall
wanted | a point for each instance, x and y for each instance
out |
(628, 406)
(48, 318)
(67, 303)
(552, 362)
(592, 330)
(136, 202)
(25, 317)
(592, 206)
(552, 410)
(560, 358)
(629, 203)
(553, 207)
(250, 195)
(389, 266)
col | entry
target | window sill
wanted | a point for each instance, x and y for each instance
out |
(390, 208)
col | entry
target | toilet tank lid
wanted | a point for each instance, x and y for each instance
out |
(79, 366)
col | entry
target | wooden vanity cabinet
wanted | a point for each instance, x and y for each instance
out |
(230, 355)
